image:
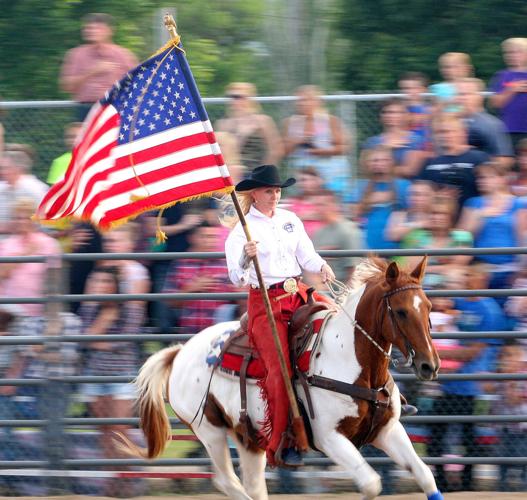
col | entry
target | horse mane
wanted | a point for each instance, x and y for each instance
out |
(372, 270)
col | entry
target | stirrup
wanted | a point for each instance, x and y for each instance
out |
(291, 458)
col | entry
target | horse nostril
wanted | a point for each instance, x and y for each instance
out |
(426, 370)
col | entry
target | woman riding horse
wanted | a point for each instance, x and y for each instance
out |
(284, 249)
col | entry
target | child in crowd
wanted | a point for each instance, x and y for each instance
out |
(453, 66)
(414, 85)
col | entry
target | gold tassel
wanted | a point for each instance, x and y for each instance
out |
(161, 236)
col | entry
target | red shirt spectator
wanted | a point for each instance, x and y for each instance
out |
(199, 275)
(89, 70)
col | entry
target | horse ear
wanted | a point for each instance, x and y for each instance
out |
(419, 272)
(392, 273)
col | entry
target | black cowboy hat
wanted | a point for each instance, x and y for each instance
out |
(263, 176)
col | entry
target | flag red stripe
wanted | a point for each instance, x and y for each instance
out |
(157, 175)
(163, 198)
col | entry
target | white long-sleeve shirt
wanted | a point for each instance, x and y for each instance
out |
(284, 248)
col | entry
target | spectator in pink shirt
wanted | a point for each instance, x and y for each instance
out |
(89, 70)
(26, 279)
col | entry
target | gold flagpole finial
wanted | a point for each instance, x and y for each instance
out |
(170, 25)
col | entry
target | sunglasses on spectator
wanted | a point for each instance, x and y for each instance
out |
(236, 96)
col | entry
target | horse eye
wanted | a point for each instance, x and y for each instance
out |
(401, 313)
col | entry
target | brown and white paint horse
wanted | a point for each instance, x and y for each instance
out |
(387, 304)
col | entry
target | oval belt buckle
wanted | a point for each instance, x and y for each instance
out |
(290, 285)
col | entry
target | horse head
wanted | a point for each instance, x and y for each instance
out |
(406, 318)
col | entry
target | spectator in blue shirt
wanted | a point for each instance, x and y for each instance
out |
(497, 218)
(376, 197)
(406, 145)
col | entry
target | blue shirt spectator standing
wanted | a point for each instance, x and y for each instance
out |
(407, 146)
(375, 198)
(497, 218)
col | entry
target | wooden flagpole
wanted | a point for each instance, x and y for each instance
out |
(298, 422)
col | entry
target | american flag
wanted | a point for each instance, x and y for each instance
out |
(146, 145)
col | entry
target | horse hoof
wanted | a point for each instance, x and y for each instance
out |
(372, 489)
(436, 496)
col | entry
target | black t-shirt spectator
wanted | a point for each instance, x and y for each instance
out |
(455, 171)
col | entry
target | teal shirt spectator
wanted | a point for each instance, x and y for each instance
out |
(376, 217)
(422, 238)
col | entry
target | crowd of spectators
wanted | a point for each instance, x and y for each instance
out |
(442, 173)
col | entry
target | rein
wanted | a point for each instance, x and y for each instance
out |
(338, 290)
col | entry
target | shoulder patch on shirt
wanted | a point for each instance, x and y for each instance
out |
(289, 227)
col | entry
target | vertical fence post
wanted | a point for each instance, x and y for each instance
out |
(347, 112)
(54, 398)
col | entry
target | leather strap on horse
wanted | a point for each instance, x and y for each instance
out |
(244, 419)
(379, 397)
(305, 385)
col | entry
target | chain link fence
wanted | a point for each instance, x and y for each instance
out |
(41, 124)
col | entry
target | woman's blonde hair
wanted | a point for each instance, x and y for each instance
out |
(228, 216)
(247, 90)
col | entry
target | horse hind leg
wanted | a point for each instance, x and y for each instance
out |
(215, 441)
(340, 449)
(394, 441)
(252, 464)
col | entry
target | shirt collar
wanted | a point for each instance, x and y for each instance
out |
(256, 213)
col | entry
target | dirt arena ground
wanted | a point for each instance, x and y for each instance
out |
(479, 495)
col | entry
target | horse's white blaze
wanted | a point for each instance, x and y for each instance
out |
(417, 306)
(417, 303)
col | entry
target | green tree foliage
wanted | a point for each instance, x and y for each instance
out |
(34, 36)
(377, 40)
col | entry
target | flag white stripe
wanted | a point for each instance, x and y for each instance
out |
(157, 187)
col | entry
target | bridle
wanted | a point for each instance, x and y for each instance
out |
(341, 289)
(395, 325)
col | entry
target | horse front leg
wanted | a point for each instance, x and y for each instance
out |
(394, 441)
(340, 449)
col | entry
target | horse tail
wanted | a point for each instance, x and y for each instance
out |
(151, 384)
